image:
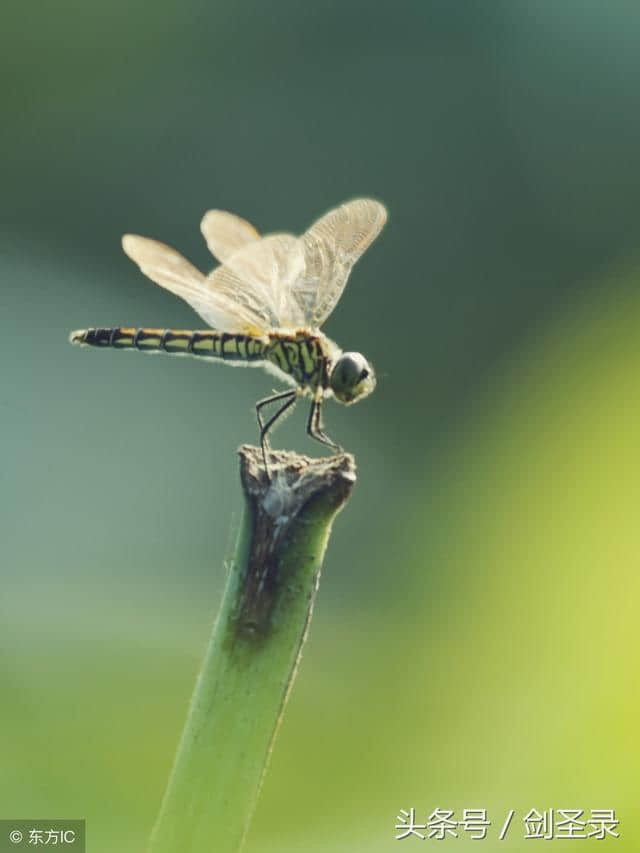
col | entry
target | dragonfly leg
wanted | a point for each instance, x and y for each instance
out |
(265, 402)
(290, 398)
(315, 427)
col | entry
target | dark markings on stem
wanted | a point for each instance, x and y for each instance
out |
(301, 490)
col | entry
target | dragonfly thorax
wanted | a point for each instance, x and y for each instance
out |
(352, 377)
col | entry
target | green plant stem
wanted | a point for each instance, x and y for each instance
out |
(254, 650)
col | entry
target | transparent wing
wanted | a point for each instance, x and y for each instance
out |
(331, 247)
(171, 270)
(261, 278)
(225, 233)
(278, 281)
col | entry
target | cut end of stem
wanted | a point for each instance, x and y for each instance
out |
(304, 476)
(297, 490)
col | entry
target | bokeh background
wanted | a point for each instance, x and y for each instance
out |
(475, 641)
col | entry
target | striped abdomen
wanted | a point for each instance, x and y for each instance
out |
(208, 344)
(299, 355)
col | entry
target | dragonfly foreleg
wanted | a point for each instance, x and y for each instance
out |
(315, 427)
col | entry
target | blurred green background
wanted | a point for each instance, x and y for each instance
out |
(475, 641)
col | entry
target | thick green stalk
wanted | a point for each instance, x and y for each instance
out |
(254, 650)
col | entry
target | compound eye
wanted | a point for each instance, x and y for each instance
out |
(350, 377)
(350, 370)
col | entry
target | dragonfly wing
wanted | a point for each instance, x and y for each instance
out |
(261, 278)
(331, 247)
(171, 270)
(264, 283)
(225, 233)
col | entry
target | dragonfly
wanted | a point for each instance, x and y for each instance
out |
(264, 304)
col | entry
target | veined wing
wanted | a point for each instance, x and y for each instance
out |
(291, 282)
(262, 277)
(278, 281)
(171, 270)
(258, 273)
(226, 233)
(331, 247)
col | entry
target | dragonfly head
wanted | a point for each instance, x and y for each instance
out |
(352, 377)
